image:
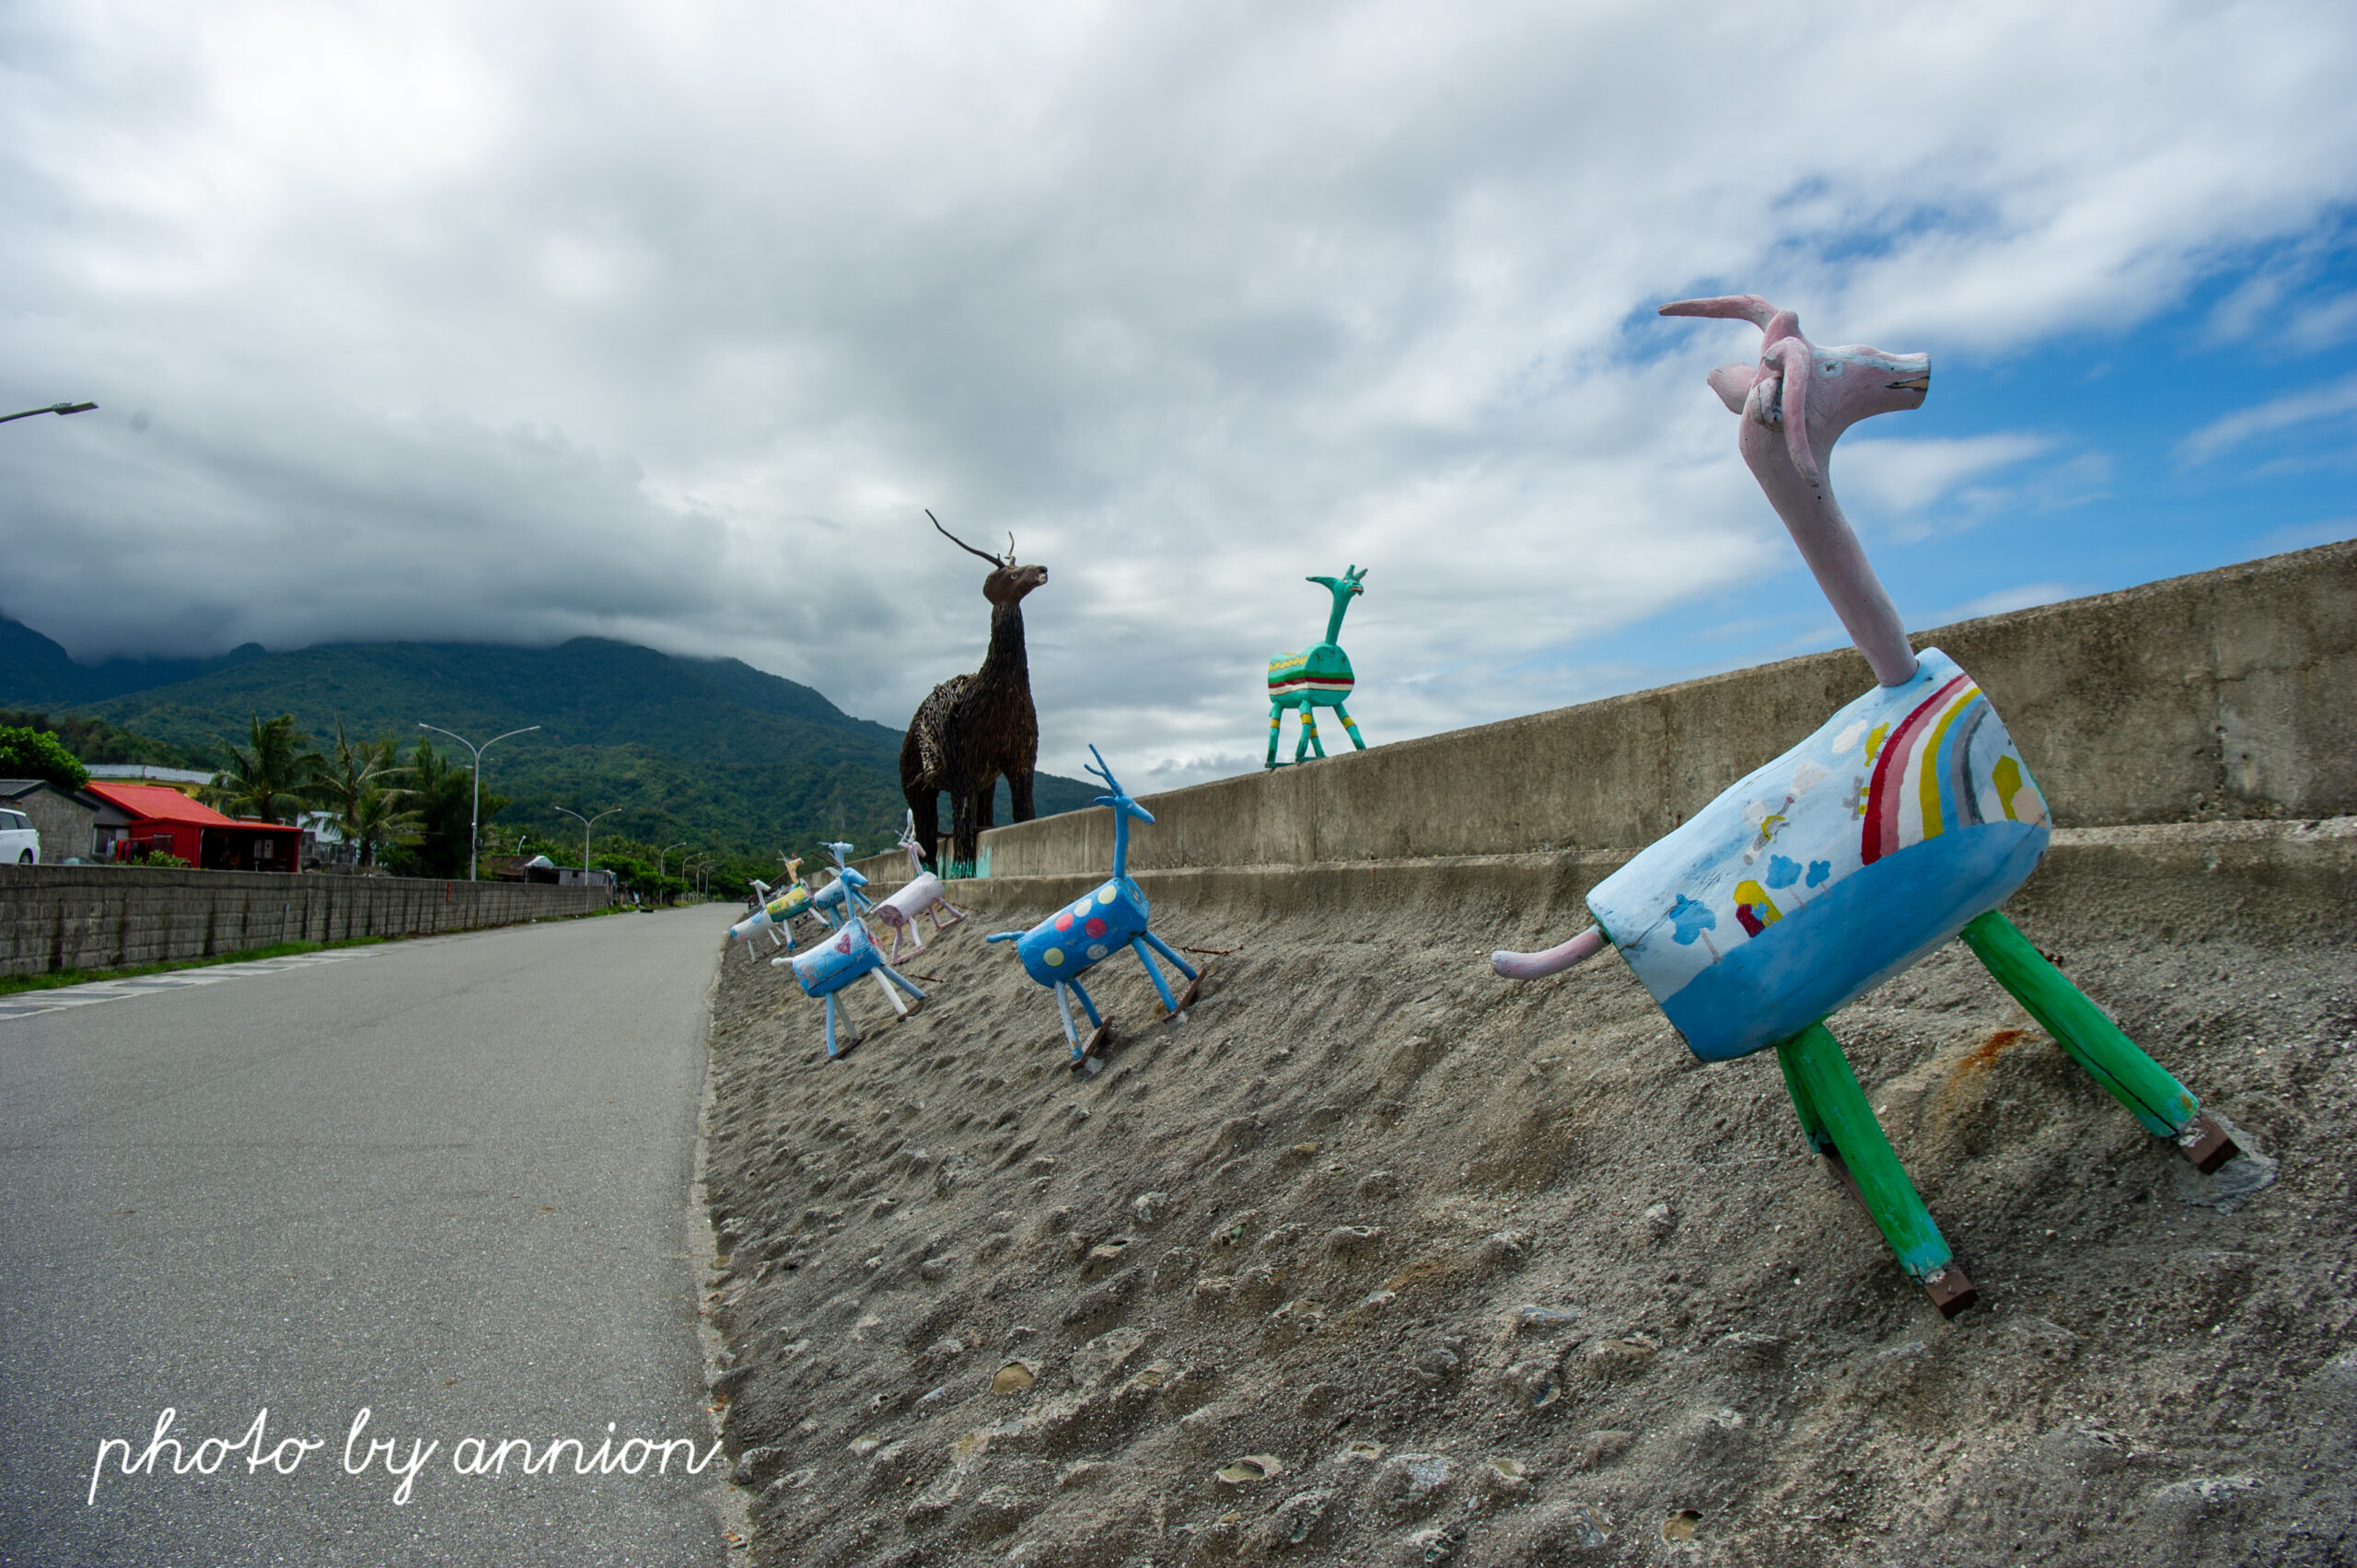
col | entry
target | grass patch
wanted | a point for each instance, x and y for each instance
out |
(11, 985)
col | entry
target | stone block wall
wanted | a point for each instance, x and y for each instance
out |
(54, 917)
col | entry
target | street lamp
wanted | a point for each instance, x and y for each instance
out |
(53, 408)
(474, 824)
(666, 849)
(588, 824)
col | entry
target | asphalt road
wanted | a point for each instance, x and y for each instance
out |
(447, 1182)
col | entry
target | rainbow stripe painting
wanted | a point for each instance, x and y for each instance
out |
(1833, 867)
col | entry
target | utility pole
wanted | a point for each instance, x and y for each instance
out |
(475, 824)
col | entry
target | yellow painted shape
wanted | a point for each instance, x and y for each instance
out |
(1875, 737)
(1753, 894)
(2008, 777)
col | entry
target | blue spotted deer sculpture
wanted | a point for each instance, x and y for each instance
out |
(847, 952)
(1074, 939)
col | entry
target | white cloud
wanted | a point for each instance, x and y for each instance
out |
(664, 322)
(2336, 400)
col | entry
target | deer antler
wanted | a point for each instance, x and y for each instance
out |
(971, 549)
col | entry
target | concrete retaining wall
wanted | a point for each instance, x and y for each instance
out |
(54, 917)
(2223, 695)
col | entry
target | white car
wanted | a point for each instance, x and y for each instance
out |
(19, 840)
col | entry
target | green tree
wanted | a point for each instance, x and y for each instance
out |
(354, 784)
(94, 740)
(32, 754)
(441, 793)
(271, 779)
(381, 820)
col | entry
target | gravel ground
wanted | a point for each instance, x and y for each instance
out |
(1375, 1258)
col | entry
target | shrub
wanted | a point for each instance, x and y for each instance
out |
(35, 754)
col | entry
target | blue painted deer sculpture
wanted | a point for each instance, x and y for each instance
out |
(848, 952)
(1074, 939)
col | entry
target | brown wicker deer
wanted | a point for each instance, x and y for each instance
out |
(974, 728)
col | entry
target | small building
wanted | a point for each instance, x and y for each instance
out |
(74, 824)
(164, 820)
(323, 841)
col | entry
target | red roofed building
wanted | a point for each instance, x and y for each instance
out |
(163, 819)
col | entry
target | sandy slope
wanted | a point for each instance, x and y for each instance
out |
(1312, 1222)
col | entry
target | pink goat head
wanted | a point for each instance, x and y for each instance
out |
(1795, 403)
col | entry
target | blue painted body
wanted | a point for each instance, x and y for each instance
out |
(1073, 941)
(849, 951)
(836, 962)
(1828, 870)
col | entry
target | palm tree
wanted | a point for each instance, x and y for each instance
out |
(377, 819)
(270, 782)
(351, 777)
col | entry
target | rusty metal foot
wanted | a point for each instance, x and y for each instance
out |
(2206, 1145)
(1949, 1290)
(1091, 1059)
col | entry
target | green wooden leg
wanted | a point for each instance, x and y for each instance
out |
(1812, 1125)
(1825, 1091)
(2165, 1107)
(1276, 726)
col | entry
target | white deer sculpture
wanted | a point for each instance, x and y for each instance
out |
(922, 894)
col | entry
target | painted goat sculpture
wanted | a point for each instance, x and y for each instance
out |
(922, 894)
(1318, 676)
(780, 908)
(1819, 892)
(848, 952)
(1060, 948)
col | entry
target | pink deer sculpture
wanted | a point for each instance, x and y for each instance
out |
(1819, 896)
(922, 894)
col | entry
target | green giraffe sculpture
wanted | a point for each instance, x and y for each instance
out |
(1318, 676)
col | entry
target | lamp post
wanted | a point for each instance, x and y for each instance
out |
(475, 824)
(588, 824)
(666, 850)
(52, 407)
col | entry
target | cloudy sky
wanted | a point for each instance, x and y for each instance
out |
(663, 322)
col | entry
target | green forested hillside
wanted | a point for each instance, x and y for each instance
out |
(712, 751)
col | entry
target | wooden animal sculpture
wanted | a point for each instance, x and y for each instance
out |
(975, 728)
(1904, 821)
(922, 894)
(1069, 943)
(1318, 676)
(848, 953)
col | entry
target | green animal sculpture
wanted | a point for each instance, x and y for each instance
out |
(1318, 676)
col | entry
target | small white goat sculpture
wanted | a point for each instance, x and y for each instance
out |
(922, 894)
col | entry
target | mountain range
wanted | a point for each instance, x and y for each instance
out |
(710, 750)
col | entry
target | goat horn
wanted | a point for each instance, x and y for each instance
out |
(1726, 307)
(970, 549)
(1794, 357)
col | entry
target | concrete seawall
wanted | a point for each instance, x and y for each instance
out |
(54, 917)
(2223, 695)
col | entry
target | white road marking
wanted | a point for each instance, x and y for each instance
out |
(25, 1003)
